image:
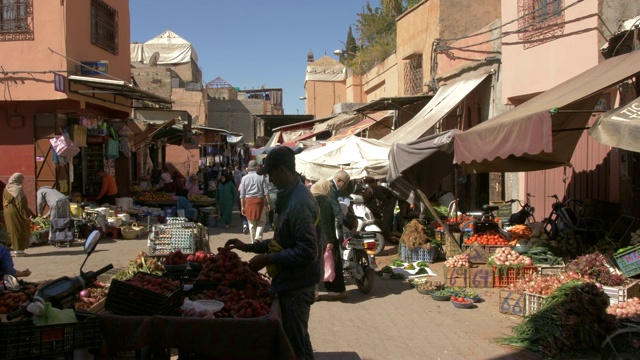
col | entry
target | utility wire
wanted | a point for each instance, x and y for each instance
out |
(625, 36)
(509, 22)
(85, 66)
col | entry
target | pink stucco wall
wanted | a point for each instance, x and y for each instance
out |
(535, 69)
(64, 27)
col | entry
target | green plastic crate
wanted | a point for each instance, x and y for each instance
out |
(629, 261)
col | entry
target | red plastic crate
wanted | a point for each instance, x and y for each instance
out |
(503, 277)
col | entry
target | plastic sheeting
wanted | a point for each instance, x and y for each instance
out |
(357, 156)
(326, 73)
(172, 48)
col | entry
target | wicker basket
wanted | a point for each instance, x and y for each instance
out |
(129, 233)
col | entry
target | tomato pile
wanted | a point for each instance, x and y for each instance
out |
(156, 284)
(461, 300)
(490, 237)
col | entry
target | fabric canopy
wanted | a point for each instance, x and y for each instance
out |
(172, 48)
(338, 122)
(619, 127)
(526, 138)
(362, 125)
(447, 97)
(421, 164)
(357, 156)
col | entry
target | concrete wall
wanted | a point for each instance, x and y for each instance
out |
(381, 81)
(323, 95)
(184, 158)
(154, 79)
(193, 102)
(234, 116)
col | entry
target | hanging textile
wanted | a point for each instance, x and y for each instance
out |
(113, 149)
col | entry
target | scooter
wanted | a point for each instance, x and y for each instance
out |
(61, 292)
(366, 227)
(358, 254)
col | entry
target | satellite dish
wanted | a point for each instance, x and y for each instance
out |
(153, 59)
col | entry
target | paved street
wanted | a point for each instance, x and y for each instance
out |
(392, 322)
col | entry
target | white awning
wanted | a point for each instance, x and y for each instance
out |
(445, 100)
(619, 127)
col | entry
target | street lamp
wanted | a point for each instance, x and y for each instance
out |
(302, 98)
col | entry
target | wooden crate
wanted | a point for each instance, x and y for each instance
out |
(505, 277)
(481, 277)
(456, 277)
(477, 254)
(512, 302)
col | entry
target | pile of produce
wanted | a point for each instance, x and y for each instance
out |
(490, 237)
(628, 310)
(505, 256)
(89, 297)
(429, 285)
(537, 238)
(417, 234)
(520, 232)
(176, 258)
(199, 257)
(593, 266)
(156, 284)
(457, 292)
(457, 261)
(154, 196)
(544, 256)
(543, 284)
(142, 263)
(233, 282)
(250, 308)
(11, 301)
(198, 197)
(38, 225)
(573, 318)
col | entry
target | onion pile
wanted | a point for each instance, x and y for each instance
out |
(628, 310)
(594, 266)
(507, 256)
(457, 261)
(543, 284)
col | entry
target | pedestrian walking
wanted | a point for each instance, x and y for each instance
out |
(254, 200)
(293, 256)
(226, 196)
(17, 216)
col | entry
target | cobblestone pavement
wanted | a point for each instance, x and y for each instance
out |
(392, 322)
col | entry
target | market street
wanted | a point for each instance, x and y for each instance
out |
(392, 322)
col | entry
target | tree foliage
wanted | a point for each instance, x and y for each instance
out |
(376, 29)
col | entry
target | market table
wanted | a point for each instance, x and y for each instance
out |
(218, 338)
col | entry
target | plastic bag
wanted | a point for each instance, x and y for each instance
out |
(329, 266)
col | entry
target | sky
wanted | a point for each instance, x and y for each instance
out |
(252, 43)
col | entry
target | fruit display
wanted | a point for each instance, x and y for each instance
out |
(154, 196)
(156, 284)
(628, 310)
(199, 257)
(409, 267)
(234, 282)
(198, 197)
(250, 308)
(176, 258)
(39, 224)
(490, 237)
(461, 300)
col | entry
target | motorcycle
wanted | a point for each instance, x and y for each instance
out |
(366, 222)
(358, 254)
(60, 292)
(525, 214)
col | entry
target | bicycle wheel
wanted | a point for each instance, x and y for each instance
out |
(622, 345)
(550, 228)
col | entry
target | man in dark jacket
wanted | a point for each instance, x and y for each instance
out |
(293, 256)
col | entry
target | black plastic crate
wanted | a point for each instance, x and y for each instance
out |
(24, 340)
(127, 299)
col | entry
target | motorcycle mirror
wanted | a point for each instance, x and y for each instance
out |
(92, 242)
(532, 210)
(11, 283)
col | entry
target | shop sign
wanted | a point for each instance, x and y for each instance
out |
(94, 67)
(59, 82)
(96, 139)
